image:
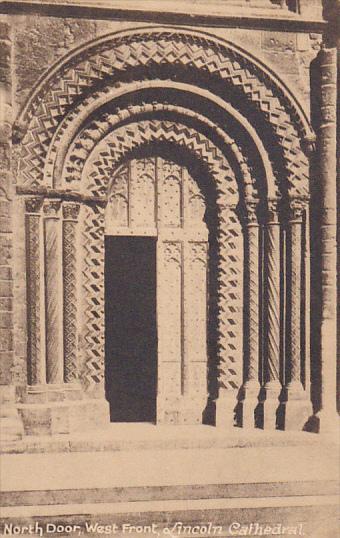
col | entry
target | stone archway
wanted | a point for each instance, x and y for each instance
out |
(152, 197)
(69, 155)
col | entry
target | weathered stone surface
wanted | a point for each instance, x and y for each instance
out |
(205, 154)
(39, 42)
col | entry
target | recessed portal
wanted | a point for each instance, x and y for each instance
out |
(130, 328)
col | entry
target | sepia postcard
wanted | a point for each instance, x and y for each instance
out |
(169, 268)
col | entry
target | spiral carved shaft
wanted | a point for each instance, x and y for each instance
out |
(296, 250)
(253, 298)
(35, 374)
(273, 300)
(53, 279)
(70, 213)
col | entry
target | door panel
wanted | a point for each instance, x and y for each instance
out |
(130, 330)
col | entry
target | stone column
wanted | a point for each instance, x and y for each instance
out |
(10, 423)
(70, 217)
(251, 384)
(327, 152)
(53, 293)
(297, 409)
(272, 358)
(36, 372)
(230, 370)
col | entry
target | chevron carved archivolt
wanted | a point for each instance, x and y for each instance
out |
(111, 58)
(99, 168)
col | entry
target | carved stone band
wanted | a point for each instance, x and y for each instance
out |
(71, 211)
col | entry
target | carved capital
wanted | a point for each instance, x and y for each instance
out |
(18, 132)
(251, 215)
(51, 208)
(33, 204)
(309, 144)
(71, 210)
(273, 211)
(297, 208)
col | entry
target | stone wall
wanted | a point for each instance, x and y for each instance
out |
(31, 47)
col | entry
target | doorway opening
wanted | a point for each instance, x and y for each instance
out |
(131, 328)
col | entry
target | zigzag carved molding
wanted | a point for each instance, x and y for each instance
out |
(112, 57)
(87, 139)
(99, 169)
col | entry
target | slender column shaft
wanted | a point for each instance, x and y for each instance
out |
(53, 296)
(298, 406)
(272, 364)
(296, 222)
(36, 355)
(273, 298)
(252, 344)
(70, 216)
(251, 385)
(327, 153)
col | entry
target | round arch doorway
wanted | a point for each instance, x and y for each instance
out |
(156, 294)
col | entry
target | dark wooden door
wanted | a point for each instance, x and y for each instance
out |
(130, 328)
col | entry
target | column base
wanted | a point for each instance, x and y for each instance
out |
(226, 409)
(11, 426)
(297, 409)
(327, 422)
(271, 405)
(65, 417)
(250, 402)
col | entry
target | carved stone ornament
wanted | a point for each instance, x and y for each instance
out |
(33, 204)
(251, 208)
(51, 208)
(297, 208)
(71, 210)
(273, 211)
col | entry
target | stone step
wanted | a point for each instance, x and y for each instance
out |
(127, 437)
(269, 485)
(310, 516)
(169, 493)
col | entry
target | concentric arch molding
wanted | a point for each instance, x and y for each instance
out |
(167, 131)
(118, 144)
(109, 57)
